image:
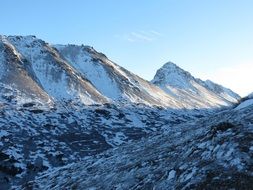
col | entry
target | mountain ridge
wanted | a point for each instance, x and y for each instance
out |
(72, 72)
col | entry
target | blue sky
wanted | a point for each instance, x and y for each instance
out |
(211, 39)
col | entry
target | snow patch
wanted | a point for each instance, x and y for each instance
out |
(172, 174)
(245, 104)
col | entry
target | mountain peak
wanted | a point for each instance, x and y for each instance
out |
(171, 67)
(171, 74)
(181, 84)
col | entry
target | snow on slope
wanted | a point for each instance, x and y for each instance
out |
(1, 63)
(113, 81)
(35, 139)
(245, 102)
(211, 153)
(53, 74)
(82, 61)
(81, 73)
(182, 85)
(16, 72)
(38, 139)
(70, 72)
(223, 92)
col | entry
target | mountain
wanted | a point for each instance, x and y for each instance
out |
(60, 104)
(195, 92)
(211, 153)
(51, 73)
(46, 71)
(113, 81)
(73, 73)
(18, 72)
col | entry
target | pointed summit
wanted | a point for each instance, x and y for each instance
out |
(184, 87)
(173, 75)
(170, 65)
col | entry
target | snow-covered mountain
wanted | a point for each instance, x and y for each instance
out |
(17, 73)
(183, 86)
(69, 72)
(60, 104)
(211, 153)
(73, 73)
(113, 81)
(43, 66)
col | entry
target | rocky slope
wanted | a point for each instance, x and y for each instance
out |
(37, 138)
(210, 153)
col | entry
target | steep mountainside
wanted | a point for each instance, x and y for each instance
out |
(79, 73)
(113, 81)
(183, 86)
(74, 73)
(210, 153)
(17, 72)
(52, 73)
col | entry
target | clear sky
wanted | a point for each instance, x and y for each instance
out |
(211, 39)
